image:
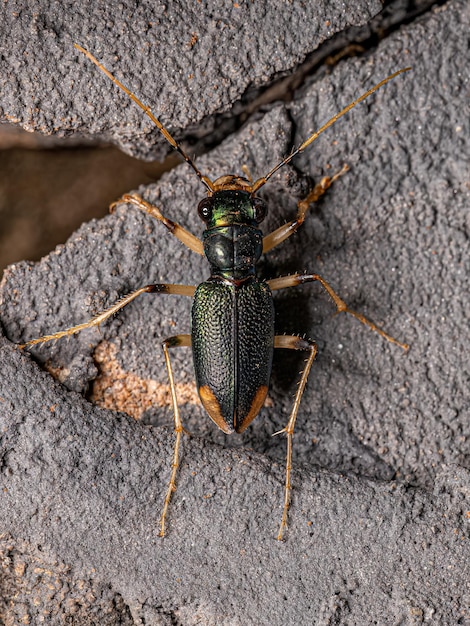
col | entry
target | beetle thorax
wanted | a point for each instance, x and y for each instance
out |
(233, 250)
(232, 242)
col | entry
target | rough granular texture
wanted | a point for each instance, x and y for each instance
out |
(37, 589)
(119, 390)
(189, 61)
(378, 527)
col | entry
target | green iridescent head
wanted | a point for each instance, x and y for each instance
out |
(229, 207)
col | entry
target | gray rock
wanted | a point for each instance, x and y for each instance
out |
(378, 523)
(190, 62)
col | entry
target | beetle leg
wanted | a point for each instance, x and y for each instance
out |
(183, 290)
(292, 342)
(183, 235)
(286, 230)
(246, 171)
(342, 307)
(173, 342)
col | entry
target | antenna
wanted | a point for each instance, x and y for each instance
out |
(262, 181)
(204, 179)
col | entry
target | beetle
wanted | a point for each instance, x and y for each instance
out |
(232, 319)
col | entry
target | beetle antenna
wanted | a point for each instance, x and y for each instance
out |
(204, 179)
(261, 181)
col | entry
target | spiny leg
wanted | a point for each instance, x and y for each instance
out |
(292, 342)
(173, 342)
(286, 230)
(183, 290)
(342, 307)
(183, 235)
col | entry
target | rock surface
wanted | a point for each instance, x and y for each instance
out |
(378, 528)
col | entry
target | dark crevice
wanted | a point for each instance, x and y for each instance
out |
(354, 42)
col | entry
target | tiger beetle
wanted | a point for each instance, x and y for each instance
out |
(232, 330)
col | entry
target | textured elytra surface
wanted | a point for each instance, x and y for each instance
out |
(392, 238)
(232, 333)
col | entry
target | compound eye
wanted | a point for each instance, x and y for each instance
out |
(205, 209)
(259, 208)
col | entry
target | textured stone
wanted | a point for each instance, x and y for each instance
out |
(380, 533)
